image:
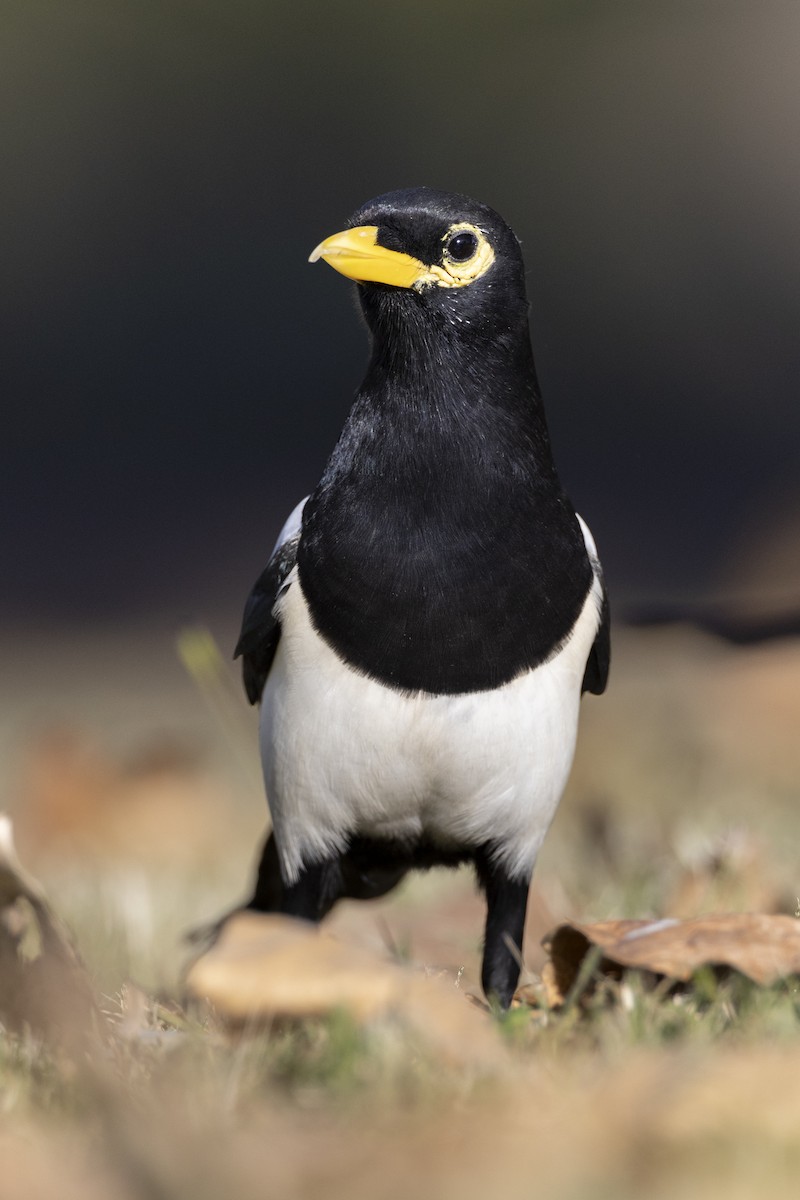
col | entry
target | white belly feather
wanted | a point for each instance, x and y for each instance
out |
(345, 755)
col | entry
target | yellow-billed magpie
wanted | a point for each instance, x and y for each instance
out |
(431, 613)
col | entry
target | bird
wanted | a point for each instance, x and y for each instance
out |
(432, 612)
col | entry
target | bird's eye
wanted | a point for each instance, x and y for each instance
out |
(461, 246)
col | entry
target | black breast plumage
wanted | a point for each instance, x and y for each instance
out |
(445, 559)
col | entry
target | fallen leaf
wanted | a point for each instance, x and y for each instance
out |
(44, 986)
(266, 965)
(763, 947)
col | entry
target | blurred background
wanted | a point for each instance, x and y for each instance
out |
(174, 374)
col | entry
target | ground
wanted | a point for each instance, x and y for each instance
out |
(135, 791)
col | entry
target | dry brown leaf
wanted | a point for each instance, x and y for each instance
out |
(763, 947)
(266, 965)
(44, 986)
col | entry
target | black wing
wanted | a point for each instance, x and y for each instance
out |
(260, 627)
(595, 677)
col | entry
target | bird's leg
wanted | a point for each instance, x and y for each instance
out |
(506, 902)
(268, 894)
(353, 874)
(314, 893)
(312, 896)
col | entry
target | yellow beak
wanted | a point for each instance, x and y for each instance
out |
(356, 254)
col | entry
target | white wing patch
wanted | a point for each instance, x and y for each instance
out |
(291, 525)
(591, 549)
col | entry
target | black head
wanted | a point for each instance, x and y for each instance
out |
(426, 254)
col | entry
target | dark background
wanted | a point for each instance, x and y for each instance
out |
(174, 374)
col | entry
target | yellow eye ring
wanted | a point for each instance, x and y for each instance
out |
(458, 273)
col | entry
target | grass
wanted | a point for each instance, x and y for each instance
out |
(632, 1088)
